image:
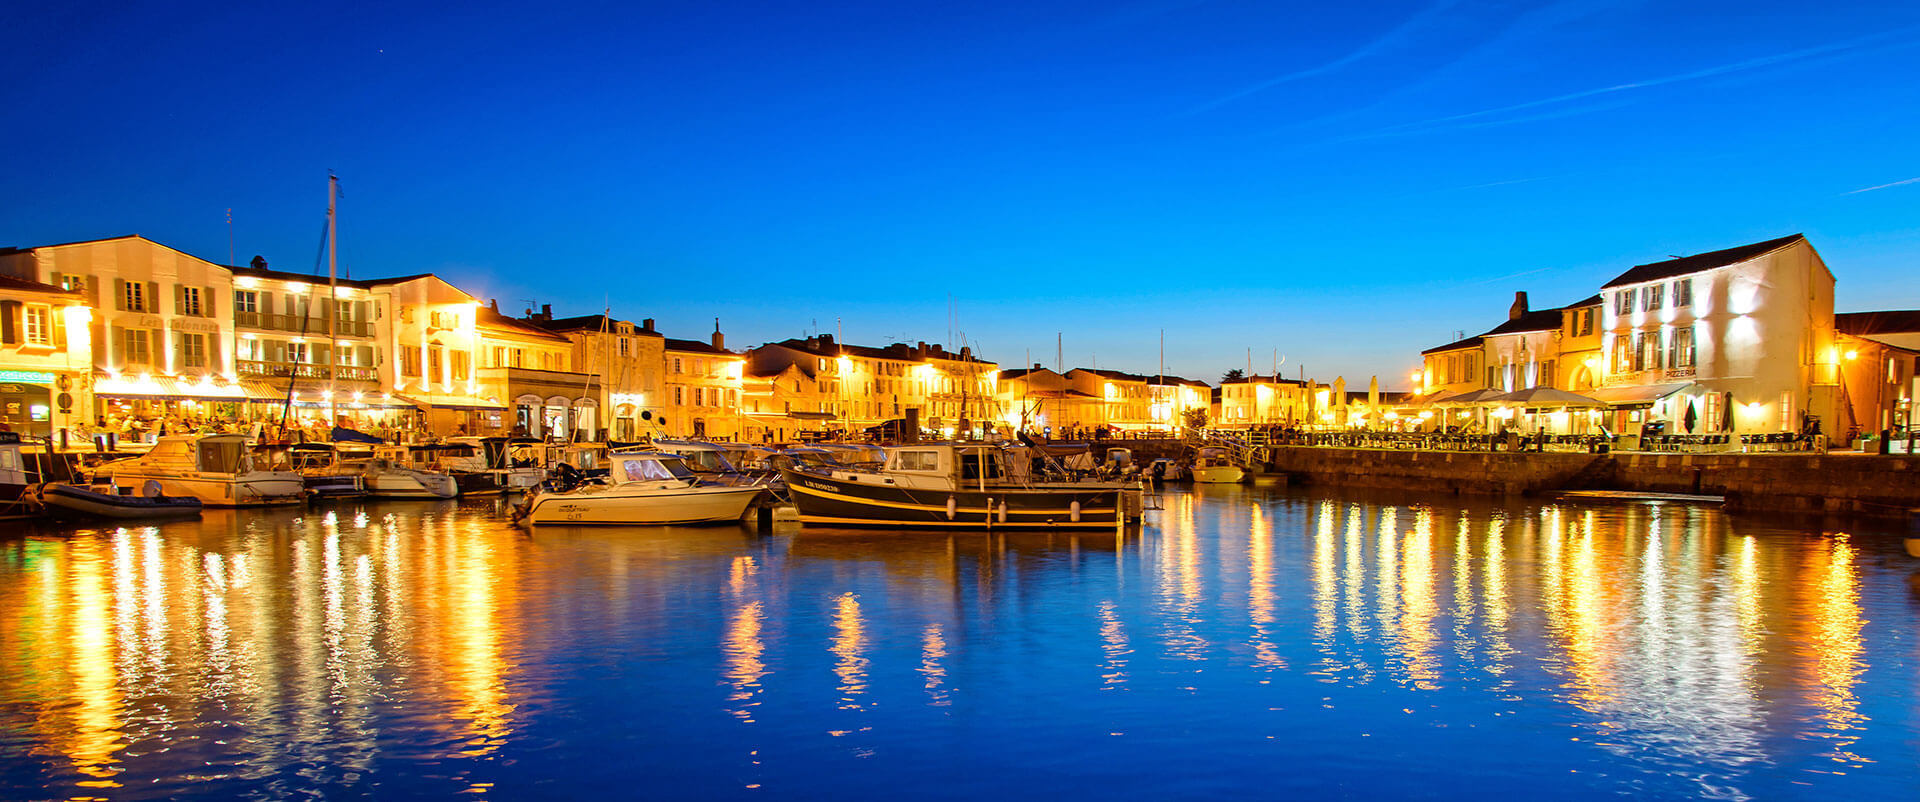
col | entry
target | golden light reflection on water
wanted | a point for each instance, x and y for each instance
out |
(933, 655)
(1416, 644)
(1113, 644)
(744, 649)
(1833, 596)
(850, 647)
(1260, 600)
(93, 736)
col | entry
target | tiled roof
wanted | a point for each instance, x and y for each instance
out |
(488, 317)
(1700, 262)
(590, 323)
(1896, 321)
(1540, 320)
(11, 283)
(1259, 379)
(1455, 345)
(697, 347)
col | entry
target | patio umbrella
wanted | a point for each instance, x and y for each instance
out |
(1545, 397)
(1469, 398)
(1693, 415)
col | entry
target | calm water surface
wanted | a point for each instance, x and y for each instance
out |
(1247, 642)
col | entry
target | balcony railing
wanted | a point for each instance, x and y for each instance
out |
(298, 324)
(282, 370)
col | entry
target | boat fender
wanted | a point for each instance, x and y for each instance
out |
(150, 489)
(1074, 511)
(1003, 511)
(953, 507)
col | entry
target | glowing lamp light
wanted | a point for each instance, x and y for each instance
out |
(1424, 414)
(1851, 355)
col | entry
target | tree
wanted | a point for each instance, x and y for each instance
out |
(1196, 418)
(1233, 375)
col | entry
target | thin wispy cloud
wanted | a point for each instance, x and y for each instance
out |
(1915, 180)
(1837, 48)
(1386, 41)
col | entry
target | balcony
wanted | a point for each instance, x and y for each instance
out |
(299, 325)
(283, 370)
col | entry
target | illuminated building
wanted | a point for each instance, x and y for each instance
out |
(531, 369)
(46, 357)
(703, 384)
(629, 363)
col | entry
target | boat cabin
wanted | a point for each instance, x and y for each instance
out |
(699, 456)
(217, 453)
(648, 466)
(944, 466)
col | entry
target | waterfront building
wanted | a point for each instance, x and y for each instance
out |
(160, 333)
(1038, 399)
(426, 330)
(1256, 400)
(285, 340)
(46, 359)
(530, 368)
(866, 386)
(1170, 397)
(629, 363)
(703, 383)
(961, 391)
(1735, 340)
(1126, 402)
(1879, 359)
(786, 404)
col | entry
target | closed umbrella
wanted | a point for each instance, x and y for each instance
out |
(1693, 415)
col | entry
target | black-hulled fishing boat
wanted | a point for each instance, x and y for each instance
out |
(954, 486)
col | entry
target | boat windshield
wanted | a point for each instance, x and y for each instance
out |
(653, 469)
(708, 461)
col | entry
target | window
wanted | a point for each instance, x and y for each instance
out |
(409, 361)
(298, 354)
(1586, 323)
(136, 297)
(1683, 292)
(1655, 296)
(1622, 355)
(193, 350)
(917, 460)
(1681, 350)
(1623, 303)
(679, 396)
(460, 365)
(1639, 350)
(676, 364)
(1649, 350)
(517, 357)
(624, 342)
(37, 325)
(190, 302)
(135, 346)
(436, 358)
(1545, 378)
(246, 302)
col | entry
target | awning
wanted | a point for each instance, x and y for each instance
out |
(1636, 396)
(441, 401)
(171, 389)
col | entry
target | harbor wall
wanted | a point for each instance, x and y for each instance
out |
(1862, 484)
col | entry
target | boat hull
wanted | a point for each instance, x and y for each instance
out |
(1220, 474)
(82, 501)
(832, 501)
(613, 506)
(409, 486)
(257, 489)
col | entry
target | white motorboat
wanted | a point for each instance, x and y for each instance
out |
(218, 469)
(513, 463)
(1214, 465)
(385, 478)
(642, 488)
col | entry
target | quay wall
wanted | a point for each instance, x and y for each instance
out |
(1861, 484)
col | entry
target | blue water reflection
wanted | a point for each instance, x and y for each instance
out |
(1249, 641)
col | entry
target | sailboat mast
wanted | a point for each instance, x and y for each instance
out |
(332, 306)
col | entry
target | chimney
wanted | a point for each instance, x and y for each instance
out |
(719, 340)
(1519, 306)
(647, 325)
(546, 311)
(826, 339)
(1036, 366)
(493, 304)
(966, 352)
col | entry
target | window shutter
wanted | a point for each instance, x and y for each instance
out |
(120, 294)
(57, 327)
(9, 322)
(117, 346)
(265, 304)
(152, 299)
(363, 356)
(213, 353)
(207, 302)
(179, 299)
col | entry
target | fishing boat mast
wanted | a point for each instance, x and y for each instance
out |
(333, 305)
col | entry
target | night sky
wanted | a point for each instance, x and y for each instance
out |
(1346, 184)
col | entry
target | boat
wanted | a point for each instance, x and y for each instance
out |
(320, 468)
(510, 464)
(15, 483)
(953, 486)
(384, 478)
(217, 469)
(646, 487)
(1215, 465)
(708, 461)
(60, 498)
(452, 459)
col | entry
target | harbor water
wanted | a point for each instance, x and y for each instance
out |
(1248, 641)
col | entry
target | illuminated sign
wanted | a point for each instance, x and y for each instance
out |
(25, 376)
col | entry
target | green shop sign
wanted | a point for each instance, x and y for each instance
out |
(28, 376)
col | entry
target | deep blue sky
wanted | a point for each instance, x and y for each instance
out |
(1346, 183)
